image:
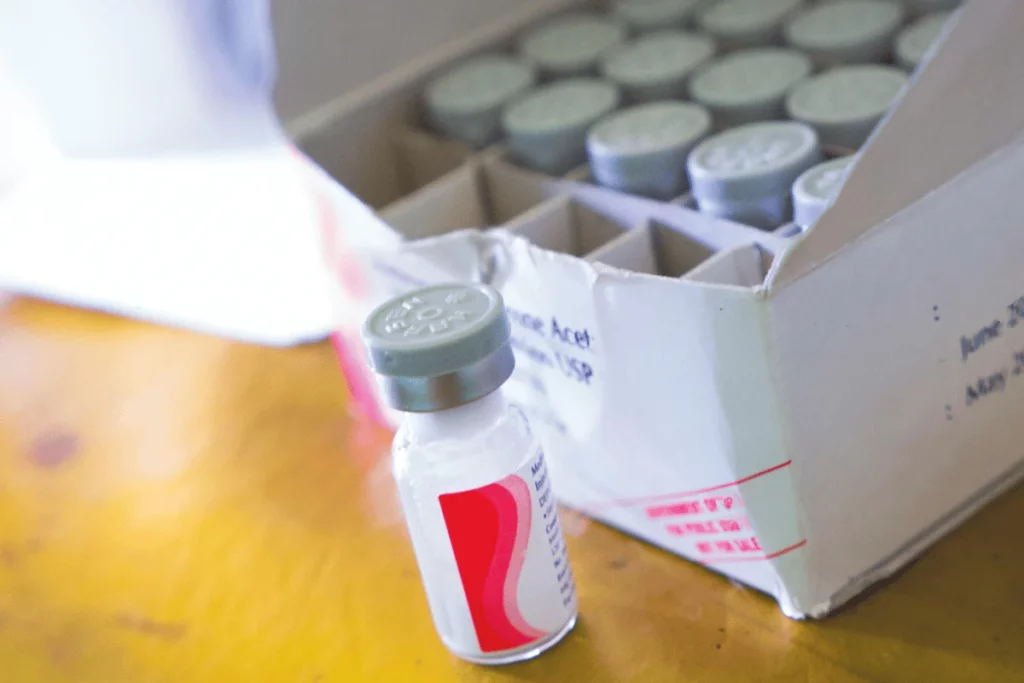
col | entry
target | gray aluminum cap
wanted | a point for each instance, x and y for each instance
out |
(439, 347)
(752, 161)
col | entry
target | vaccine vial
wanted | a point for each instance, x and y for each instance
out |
(547, 129)
(642, 150)
(655, 15)
(747, 23)
(914, 42)
(814, 191)
(749, 85)
(657, 66)
(572, 45)
(846, 31)
(845, 104)
(471, 475)
(746, 174)
(465, 102)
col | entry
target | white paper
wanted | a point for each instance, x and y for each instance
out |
(172, 193)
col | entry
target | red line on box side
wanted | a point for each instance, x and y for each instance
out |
(780, 553)
(685, 494)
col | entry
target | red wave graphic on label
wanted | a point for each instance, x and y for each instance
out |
(489, 529)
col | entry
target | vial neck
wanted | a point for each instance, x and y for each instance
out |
(458, 423)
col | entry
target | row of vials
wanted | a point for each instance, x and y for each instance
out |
(666, 111)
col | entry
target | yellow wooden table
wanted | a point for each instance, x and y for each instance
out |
(175, 507)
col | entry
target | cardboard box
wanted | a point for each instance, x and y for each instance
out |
(805, 415)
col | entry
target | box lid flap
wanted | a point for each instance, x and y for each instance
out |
(963, 106)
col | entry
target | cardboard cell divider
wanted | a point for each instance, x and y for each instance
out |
(654, 248)
(804, 413)
(561, 225)
(423, 157)
(744, 266)
(474, 195)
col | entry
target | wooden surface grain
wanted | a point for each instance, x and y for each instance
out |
(175, 507)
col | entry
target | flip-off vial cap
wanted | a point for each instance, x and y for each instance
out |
(747, 23)
(914, 42)
(650, 15)
(846, 31)
(846, 103)
(547, 129)
(658, 65)
(571, 45)
(816, 188)
(465, 103)
(749, 85)
(643, 150)
(752, 160)
(439, 347)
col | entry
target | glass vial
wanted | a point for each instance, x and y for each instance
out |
(465, 102)
(471, 475)
(642, 150)
(746, 174)
(547, 129)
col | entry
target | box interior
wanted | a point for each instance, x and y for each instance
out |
(426, 186)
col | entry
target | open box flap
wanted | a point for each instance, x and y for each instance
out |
(964, 105)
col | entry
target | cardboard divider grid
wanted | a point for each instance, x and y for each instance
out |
(565, 226)
(474, 195)
(654, 248)
(421, 157)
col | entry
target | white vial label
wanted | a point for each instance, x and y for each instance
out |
(512, 561)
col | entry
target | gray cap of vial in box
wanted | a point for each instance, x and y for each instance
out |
(657, 65)
(749, 85)
(846, 31)
(643, 150)
(439, 347)
(645, 15)
(845, 104)
(547, 129)
(914, 42)
(816, 188)
(753, 160)
(747, 23)
(466, 101)
(571, 45)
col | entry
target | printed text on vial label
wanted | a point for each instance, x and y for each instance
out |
(553, 528)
